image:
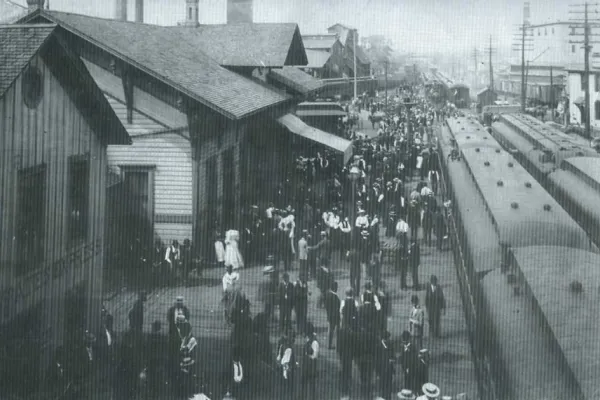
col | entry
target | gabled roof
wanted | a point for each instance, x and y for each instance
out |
(166, 55)
(317, 58)
(20, 43)
(248, 44)
(486, 89)
(295, 79)
(11, 12)
(347, 27)
(319, 42)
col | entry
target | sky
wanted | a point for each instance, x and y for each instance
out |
(420, 26)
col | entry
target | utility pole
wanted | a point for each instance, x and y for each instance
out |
(524, 45)
(354, 53)
(552, 92)
(491, 67)
(586, 25)
(475, 80)
(386, 83)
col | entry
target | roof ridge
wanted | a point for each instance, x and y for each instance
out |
(51, 12)
(49, 25)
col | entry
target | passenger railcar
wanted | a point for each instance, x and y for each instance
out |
(506, 222)
(566, 166)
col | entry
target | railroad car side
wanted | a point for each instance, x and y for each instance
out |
(526, 365)
(561, 286)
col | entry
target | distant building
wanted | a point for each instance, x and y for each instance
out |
(325, 55)
(56, 126)
(486, 97)
(577, 95)
(348, 36)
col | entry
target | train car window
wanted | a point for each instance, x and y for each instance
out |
(597, 109)
(572, 48)
(545, 31)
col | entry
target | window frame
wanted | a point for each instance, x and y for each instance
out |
(597, 110)
(80, 234)
(30, 256)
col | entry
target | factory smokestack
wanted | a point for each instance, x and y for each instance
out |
(239, 11)
(139, 11)
(35, 4)
(191, 13)
(526, 13)
(121, 10)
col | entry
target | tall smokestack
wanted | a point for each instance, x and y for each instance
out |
(139, 11)
(191, 12)
(121, 10)
(35, 4)
(526, 13)
(239, 11)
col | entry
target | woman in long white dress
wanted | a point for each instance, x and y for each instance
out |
(233, 256)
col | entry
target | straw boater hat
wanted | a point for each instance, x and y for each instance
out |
(431, 391)
(406, 394)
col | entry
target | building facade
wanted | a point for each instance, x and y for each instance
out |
(56, 126)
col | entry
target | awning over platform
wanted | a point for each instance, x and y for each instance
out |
(297, 126)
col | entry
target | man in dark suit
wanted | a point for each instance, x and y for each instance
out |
(332, 308)
(286, 302)
(414, 260)
(435, 303)
(136, 315)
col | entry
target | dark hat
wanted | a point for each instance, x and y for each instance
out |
(179, 299)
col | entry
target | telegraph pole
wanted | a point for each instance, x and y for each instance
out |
(552, 92)
(586, 24)
(524, 45)
(386, 84)
(491, 67)
(475, 80)
(354, 51)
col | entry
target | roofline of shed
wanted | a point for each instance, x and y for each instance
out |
(179, 88)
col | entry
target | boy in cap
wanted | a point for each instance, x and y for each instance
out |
(309, 363)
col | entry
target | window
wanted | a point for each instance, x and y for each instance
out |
(79, 180)
(190, 13)
(31, 216)
(597, 82)
(545, 31)
(553, 31)
(597, 109)
(572, 48)
(572, 31)
(539, 32)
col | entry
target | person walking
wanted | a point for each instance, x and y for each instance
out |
(286, 303)
(355, 270)
(309, 364)
(408, 359)
(414, 261)
(332, 308)
(303, 255)
(301, 303)
(435, 304)
(136, 315)
(415, 322)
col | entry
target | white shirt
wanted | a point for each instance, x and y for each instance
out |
(220, 251)
(345, 226)
(315, 350)
(229, 280)
(170, 250)
(402, 226)
(287, 355)
(362, 221)
(269, 212)
(375, 298)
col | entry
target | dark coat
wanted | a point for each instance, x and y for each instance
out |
(332, 307)
(414, 255)
(286, 294)
(136, 315)
(171, 319)
(434, 301)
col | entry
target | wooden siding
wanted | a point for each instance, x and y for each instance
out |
(50, 134)
(171, 155)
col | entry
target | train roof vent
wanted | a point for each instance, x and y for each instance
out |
(468, 137)
(580, 154)
(528, 185)
(487, 163)
(510, 165)
(462, 128)
(485, 138)
(500, 183)
(514, 205)
(547, 207)
(477, 150)
(497, 150)
(562, 149)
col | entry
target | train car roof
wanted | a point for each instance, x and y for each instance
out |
(524, 213)
(586, 169)
(548, 138)
(572, 316)
(469, 133)
(531, 368)
(481, 237)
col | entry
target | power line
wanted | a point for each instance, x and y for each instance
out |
(586, 24)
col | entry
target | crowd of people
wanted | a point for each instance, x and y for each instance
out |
(389, 188)
(323, 218)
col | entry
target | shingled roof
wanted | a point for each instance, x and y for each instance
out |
(164, 54)
(248, 44)
(296, 80)
(18, 45)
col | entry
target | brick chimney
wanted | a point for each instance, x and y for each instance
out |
(191, 12)
(139, 11)
(121, 10)
(35, 4)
